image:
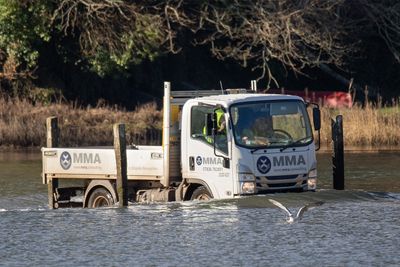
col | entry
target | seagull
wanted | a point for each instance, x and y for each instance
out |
(299, 214)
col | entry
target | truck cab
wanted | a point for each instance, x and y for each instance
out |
(266, 145)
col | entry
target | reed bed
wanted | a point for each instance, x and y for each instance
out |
(23, 124)
(368, 126)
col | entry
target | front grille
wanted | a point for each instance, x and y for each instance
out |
(281, 185)
(280, 177)
(265, 183)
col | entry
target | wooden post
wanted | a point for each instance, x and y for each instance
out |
(338, 153)
(52, 141)
(120, 158)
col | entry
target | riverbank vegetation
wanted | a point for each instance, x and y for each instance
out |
(372, 126)
(23, 124)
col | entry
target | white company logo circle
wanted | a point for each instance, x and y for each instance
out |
(263, 164)
(65, 160)
(199, 160)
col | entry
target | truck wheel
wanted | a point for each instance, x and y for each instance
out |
(100, 197)
(201, 193)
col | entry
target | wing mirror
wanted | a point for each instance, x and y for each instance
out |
(317, 118)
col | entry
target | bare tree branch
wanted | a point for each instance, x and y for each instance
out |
(295, 33)
(385, 16)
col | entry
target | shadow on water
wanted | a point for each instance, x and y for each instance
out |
(299, 199)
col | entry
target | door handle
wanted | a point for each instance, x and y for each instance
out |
(191, 163)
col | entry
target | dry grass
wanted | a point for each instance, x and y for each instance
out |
(23, 124)
(371, 126)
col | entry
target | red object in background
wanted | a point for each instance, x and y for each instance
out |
(332, 99)
(338, 100)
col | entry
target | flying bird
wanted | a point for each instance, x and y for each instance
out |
(299, 215)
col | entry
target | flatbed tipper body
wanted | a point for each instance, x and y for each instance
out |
(214, 146)
(143, 163)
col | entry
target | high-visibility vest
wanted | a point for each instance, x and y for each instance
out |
(219, 113)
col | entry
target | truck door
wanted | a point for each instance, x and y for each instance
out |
(206, 162)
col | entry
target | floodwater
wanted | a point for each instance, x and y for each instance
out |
(356, 227)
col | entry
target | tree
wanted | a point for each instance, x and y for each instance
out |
(295, 33)
(326, 34)
(23, 26)
(114, 34)
(382, 18)
(111, 36)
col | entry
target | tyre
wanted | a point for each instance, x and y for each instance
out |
(201, 193)
(100, 197)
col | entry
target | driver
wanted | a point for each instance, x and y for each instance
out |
(259, 132)
(221, 126)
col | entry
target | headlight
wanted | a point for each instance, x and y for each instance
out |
(247, 183)
(312, 180)
(248, 187)
(312, 183)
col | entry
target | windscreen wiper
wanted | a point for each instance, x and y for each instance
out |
(294, 143)
(264, 147)
(258, 148)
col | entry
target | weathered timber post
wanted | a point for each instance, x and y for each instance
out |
(52, 141)
(166, 133)
(338, 153)
(120, 158)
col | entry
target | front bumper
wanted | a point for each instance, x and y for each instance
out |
(266, 184)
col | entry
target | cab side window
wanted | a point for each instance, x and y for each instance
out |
(198, 128)
(198, 122)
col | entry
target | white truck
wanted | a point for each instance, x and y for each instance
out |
(216, 145)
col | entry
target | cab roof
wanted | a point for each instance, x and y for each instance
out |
(229, 99)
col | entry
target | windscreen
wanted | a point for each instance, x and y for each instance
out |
(271, 124)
